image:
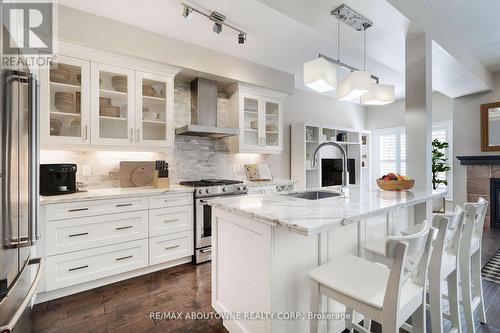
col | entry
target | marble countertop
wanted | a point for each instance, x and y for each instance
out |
(269, 182)
(309, 217)
(108, 193)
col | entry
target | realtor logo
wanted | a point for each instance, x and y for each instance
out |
(27, 28)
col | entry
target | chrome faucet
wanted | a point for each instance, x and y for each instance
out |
(345, 173)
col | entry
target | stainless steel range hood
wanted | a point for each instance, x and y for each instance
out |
(204, 112)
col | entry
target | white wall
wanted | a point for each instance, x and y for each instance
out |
(393, 115)
(466, 133)
(306, 106)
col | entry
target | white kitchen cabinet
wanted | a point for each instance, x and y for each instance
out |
(82, 266)
(65, 101)
(154, 119)
(106, 101)
(90, 243)
(112, 105)
(258, 113)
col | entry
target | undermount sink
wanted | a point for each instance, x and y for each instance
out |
(314, 195)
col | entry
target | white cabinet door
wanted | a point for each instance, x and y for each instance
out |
(250, 122)
(154, 110)
(272, 128)
(65, 102)
(113, 105)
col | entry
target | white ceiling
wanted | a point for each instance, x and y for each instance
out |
(283, 34)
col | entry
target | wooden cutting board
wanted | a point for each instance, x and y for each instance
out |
(127, 168)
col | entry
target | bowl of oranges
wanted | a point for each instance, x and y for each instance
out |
(395, 182)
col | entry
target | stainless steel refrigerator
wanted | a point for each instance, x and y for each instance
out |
(20, 272)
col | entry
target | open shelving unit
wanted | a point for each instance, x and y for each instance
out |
(306, 137)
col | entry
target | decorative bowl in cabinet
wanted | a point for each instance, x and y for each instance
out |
(271, 128)
(64, 102)
(150, 115)
(61, 74)
(119, 83)
(147, 90)
(254, 124)
(109, 111)
(395, 185)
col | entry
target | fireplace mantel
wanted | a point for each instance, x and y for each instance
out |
(480, 160)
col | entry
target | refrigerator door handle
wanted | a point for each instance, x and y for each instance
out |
(33, 91)
(10, 240)
(29, 295)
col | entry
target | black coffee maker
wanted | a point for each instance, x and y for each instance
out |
(57, 179)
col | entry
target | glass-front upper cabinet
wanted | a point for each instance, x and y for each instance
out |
(112, 103)
(65, 95)
(154, 120)
(251, 121)
(272, 123)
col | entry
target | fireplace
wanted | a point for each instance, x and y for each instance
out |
(483, 180)
(495, 202)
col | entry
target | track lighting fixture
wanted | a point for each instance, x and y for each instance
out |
(187, 13)
(242, 37)
(215, 17)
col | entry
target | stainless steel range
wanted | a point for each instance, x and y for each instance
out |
(209, 188)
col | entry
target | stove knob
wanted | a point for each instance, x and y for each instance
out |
(200, 191)
(244, 188)
(207, 191)
(238, 188)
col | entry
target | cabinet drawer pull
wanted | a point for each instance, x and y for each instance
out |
(124, 205)
(171, 200)
(80, 234)
(171, 220)
(123, 258)
(123, 228)
(77, 268)
(77, 209)
(172, 247)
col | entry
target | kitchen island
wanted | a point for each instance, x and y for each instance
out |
(264, 246)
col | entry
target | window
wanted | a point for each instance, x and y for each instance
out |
(391, 150)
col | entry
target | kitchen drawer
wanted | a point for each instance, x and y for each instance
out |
(164, 221)
(87, 232)
(170, 247)
(83, 266)
(95, 207)
(170, 200)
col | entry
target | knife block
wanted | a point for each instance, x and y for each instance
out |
(161, 182)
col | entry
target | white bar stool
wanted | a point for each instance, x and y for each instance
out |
(470, 262)
(443, 267)
(389, 296)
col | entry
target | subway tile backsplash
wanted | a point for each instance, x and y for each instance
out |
(192, 157)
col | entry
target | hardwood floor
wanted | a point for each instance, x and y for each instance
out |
(126, 306)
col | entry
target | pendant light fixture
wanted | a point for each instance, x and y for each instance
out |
(379, 94)
(320, 75)
(358, 82)
(360, 86)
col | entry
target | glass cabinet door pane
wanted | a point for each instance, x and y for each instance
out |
(251, 121)
(154, 110)
(113, 108)
(272, 123)
(65, 100)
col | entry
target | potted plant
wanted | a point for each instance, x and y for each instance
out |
(439, 164)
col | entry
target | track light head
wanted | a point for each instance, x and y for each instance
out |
(187, 13)
(242, 37)
(217, 28)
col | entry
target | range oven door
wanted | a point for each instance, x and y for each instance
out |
(203, 224)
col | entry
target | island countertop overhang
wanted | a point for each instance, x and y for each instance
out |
(309, 217)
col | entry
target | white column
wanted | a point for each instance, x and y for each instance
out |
(418, 114)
